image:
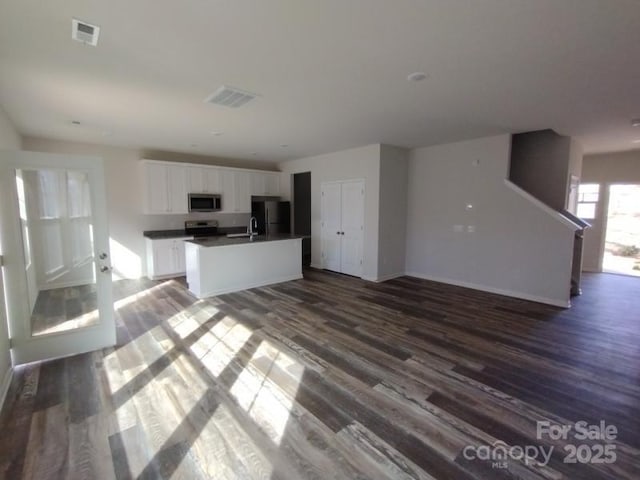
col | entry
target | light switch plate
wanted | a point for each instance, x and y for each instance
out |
(471, 228)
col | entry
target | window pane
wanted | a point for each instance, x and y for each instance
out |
(587, 210)
(49, 194)
(589, 188)
(590, 197)
(77, 193)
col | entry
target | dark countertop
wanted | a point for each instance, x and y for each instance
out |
(221, 241)
(160, 234)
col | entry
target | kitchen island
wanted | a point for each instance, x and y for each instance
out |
(217, 265)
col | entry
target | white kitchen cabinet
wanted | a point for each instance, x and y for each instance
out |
(167, 185)
(242, 191)
(165, 188)
(272, 181)
(265, 184)
(156, 191)
(177, 186)
(236, 191)
(166, 257)
(203, 180)
(342, 217)
(227, 189)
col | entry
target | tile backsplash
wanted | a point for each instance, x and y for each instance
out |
(170, 222)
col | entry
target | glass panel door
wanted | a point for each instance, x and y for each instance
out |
(59, 258)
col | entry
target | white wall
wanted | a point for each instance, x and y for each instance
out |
(392, 226)
(355, 163)
(124, 198)
(517, 248)
(9, 140)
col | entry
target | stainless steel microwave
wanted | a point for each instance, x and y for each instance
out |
(205, 202)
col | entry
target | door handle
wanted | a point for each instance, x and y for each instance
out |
(102, 256)
(105, 269)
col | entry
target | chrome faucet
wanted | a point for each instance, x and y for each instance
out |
(252, 229)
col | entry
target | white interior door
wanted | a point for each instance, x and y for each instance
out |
(69, 237)
(331, 217)
(352, 231)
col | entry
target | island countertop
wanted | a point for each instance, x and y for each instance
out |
(222, 241)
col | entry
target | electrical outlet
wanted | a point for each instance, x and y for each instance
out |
(471, 228)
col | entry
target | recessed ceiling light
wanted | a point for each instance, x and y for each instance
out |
(75, 122)
(284, 145)
(216, 133)
(417, 76)
(635, 122)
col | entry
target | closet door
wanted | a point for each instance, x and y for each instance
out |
(331, 208)
(352, 230)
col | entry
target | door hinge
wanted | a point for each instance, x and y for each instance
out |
(360, 262)
(1, 260)
(11, 343)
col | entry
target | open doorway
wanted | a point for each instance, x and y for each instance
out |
(302, 212)
(622, 240)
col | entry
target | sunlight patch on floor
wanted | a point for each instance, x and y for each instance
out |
(139, 295)
(151, 345)
(187, 321)
(85, 320)
(226, 340)
(225, 450)
(263, 398)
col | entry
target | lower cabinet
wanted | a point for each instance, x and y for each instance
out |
(166, 257)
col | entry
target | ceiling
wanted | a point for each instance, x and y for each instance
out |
(331, 74)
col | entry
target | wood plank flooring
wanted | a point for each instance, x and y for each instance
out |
(333, 377)
(61, 309)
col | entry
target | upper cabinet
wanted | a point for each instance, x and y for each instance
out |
(165, 188)
(203, 180)
(265, 183)
(167, 185)
(236, 191)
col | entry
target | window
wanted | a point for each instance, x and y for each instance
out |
(588, 195)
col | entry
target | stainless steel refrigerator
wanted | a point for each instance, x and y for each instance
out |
(273, 216)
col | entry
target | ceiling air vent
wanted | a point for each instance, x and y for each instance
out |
(230, 97)
(84, 32)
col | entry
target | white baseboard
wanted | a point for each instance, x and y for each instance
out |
(4, 387)
(384, 278)
(498, 291)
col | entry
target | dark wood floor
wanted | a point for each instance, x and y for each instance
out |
(333, 377)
